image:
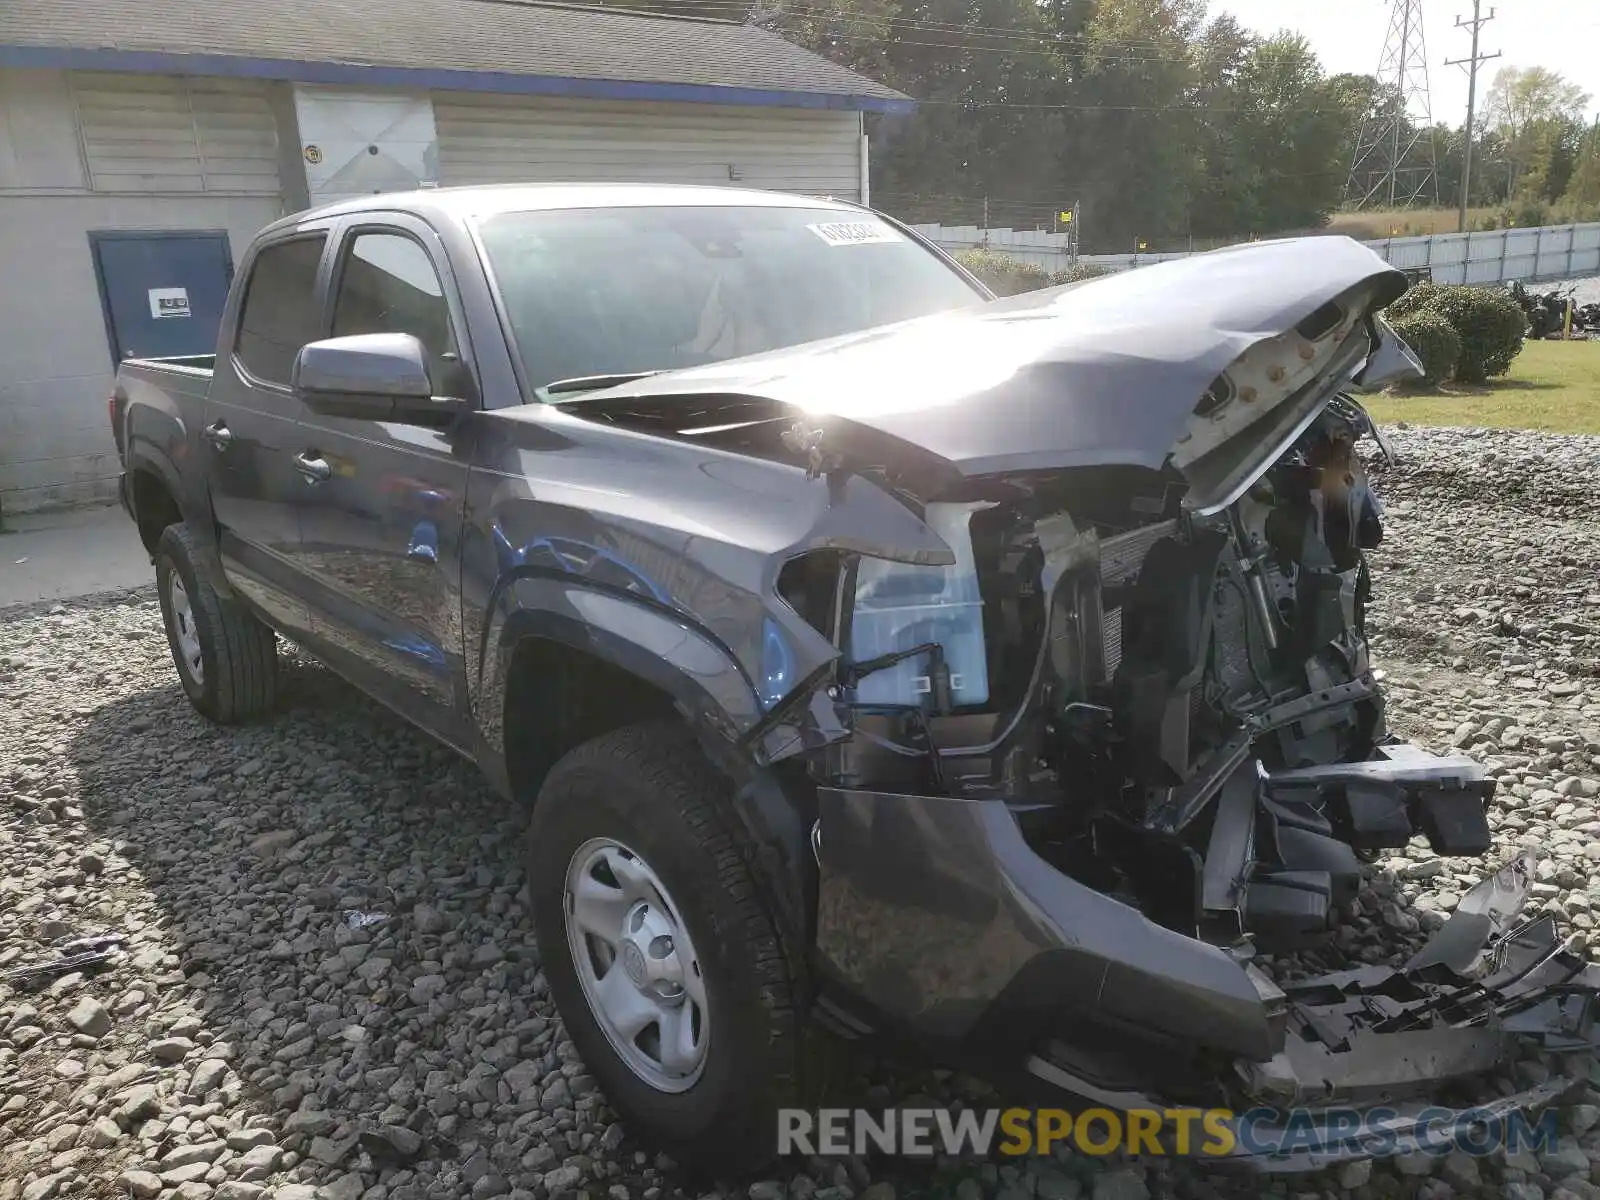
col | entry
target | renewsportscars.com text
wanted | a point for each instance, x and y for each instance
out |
(1180, 1132)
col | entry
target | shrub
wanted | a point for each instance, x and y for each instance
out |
(1525, 214)
(1434, 340)
(1488, 322)
(1078, 274)
(1417, 297)
(1490, 325)
(1003, 275)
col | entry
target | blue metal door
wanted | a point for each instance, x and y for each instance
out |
(163, 292)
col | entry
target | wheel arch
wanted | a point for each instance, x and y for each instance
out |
(674, 666)
(585, 662)
(159, 496)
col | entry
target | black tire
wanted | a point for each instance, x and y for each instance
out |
(238, 654)
(651, 788)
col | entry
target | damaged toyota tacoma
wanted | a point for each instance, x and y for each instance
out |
(875, 656)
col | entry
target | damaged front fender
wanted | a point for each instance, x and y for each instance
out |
(685, 561)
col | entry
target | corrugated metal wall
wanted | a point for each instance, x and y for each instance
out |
(1549, 252)
(504, 139)
(152, 133)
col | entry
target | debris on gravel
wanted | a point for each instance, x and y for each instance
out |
(249, 1041)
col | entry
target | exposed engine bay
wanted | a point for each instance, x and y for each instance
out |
(1104, 662)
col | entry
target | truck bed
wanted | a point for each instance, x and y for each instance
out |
(157, 400)
(188, 364)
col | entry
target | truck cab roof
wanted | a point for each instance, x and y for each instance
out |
(461, 203)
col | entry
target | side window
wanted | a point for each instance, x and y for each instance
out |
(388, 285)
(279, 313)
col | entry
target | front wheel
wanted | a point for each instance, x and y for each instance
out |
(227, 660)
(667, 968)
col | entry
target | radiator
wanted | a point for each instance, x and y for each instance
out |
(1120, 559)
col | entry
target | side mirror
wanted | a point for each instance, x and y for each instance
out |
(372, 377)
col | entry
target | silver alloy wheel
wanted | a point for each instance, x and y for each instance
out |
(638, 969)
(190, 660)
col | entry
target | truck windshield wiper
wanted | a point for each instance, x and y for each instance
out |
(593, 383)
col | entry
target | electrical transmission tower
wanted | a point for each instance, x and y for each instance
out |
(1394, 162)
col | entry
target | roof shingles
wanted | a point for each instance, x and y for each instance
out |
(492, 38)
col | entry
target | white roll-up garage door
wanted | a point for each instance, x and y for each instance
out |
(538, 139)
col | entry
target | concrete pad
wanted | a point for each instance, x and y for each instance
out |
(59, 555)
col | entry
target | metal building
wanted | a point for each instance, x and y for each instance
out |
(143, 142)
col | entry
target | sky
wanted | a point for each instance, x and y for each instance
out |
(1348, 35)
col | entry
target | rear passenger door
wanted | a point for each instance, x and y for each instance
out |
(382, 507)
(251, 424)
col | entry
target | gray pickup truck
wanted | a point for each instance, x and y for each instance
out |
(875, 656)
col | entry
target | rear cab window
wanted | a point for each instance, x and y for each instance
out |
(279, 313)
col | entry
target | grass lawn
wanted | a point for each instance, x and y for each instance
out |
(1553, 386)
(1411, 222)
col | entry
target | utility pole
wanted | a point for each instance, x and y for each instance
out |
(1471, 63)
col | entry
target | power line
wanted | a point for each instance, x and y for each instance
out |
(1036, 42)
(1206, 109)
(810, 10)
(1123, 50)
(1039, 43)
(1471, 62)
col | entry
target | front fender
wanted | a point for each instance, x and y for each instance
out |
(704, 679)
(712, 692)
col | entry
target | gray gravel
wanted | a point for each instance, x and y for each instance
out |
(1587, 291)
(329, 989)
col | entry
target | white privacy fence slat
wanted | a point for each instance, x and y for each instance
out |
(1549, 252)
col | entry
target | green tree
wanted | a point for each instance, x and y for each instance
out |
(1582, 196)
(1534, 110)
(1225, 194)
(977, 67)
(1297, 131)
(1161, 124)
(1129, 151)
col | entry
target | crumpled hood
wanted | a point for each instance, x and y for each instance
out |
(1100, 372)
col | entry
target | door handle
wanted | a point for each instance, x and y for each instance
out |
(314, 470)
(219, 435)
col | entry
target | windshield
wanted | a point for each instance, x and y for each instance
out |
(612, 291)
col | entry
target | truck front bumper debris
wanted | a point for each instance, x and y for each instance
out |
(1422, 1057)
(936, 915)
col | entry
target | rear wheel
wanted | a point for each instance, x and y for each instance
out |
(227, 659)
(667, 968)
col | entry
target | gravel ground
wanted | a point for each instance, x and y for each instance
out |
(258, 1040)
(1587, 290)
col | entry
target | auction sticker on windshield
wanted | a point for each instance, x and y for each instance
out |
(853, 233)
